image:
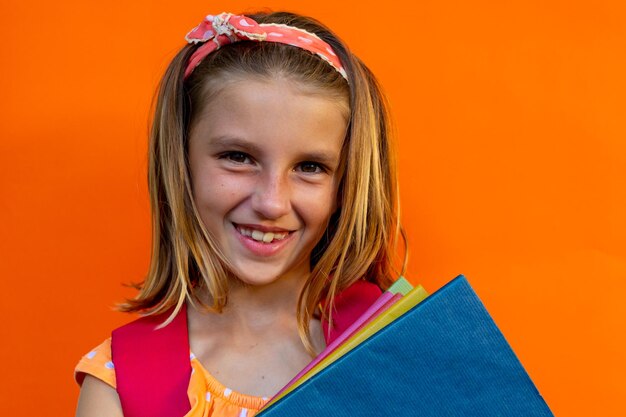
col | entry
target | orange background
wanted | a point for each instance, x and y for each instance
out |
(513, 165)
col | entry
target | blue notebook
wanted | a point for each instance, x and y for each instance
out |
(444, 357)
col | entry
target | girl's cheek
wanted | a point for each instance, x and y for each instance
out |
(315, 198)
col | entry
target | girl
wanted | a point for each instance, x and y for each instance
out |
(275, 216)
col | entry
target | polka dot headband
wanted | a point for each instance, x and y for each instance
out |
(225, 28)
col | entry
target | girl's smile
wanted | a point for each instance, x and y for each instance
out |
(263, 241)
(264, 158)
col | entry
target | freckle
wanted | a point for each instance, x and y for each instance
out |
(262, 376)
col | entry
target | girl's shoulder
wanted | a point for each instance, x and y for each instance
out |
(138, 341)
(206, 395)
(97, 363)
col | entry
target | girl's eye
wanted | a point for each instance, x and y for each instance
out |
(311, 167)
(238, 157)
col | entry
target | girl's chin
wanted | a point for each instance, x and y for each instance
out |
(256, 281)
(265, 275)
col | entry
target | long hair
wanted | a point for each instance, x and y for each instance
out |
(360, 241)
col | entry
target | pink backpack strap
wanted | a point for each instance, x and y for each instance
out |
(349, 305)
(152, 366)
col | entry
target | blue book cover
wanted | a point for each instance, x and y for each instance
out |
(444, 357)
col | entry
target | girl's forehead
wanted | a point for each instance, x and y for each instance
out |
(277, 99)
(223, 84)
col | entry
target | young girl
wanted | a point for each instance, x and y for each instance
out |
(275, 216)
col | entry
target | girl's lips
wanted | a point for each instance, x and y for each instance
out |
(263, 249)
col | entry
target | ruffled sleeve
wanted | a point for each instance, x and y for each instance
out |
(97, 363)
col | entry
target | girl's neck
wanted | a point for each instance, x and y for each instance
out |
(259, 308)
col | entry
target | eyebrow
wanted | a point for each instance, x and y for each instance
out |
(232, 142)
(227, 142)
(325, 158)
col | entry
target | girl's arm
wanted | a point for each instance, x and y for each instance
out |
(98, 399)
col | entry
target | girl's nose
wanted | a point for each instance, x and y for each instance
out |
(272, 196)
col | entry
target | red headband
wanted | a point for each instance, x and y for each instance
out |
(225, 28)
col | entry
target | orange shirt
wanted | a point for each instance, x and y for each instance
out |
(207, 396)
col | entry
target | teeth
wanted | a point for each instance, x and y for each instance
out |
(259, 236)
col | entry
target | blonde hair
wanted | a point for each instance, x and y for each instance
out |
(360, 242)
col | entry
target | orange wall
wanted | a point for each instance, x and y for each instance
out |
(511, 122)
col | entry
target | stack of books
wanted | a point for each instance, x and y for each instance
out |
(412, 354)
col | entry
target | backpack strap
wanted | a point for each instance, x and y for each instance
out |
(349, 305)
(152, 366)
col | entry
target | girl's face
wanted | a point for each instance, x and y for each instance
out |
(264, 157)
